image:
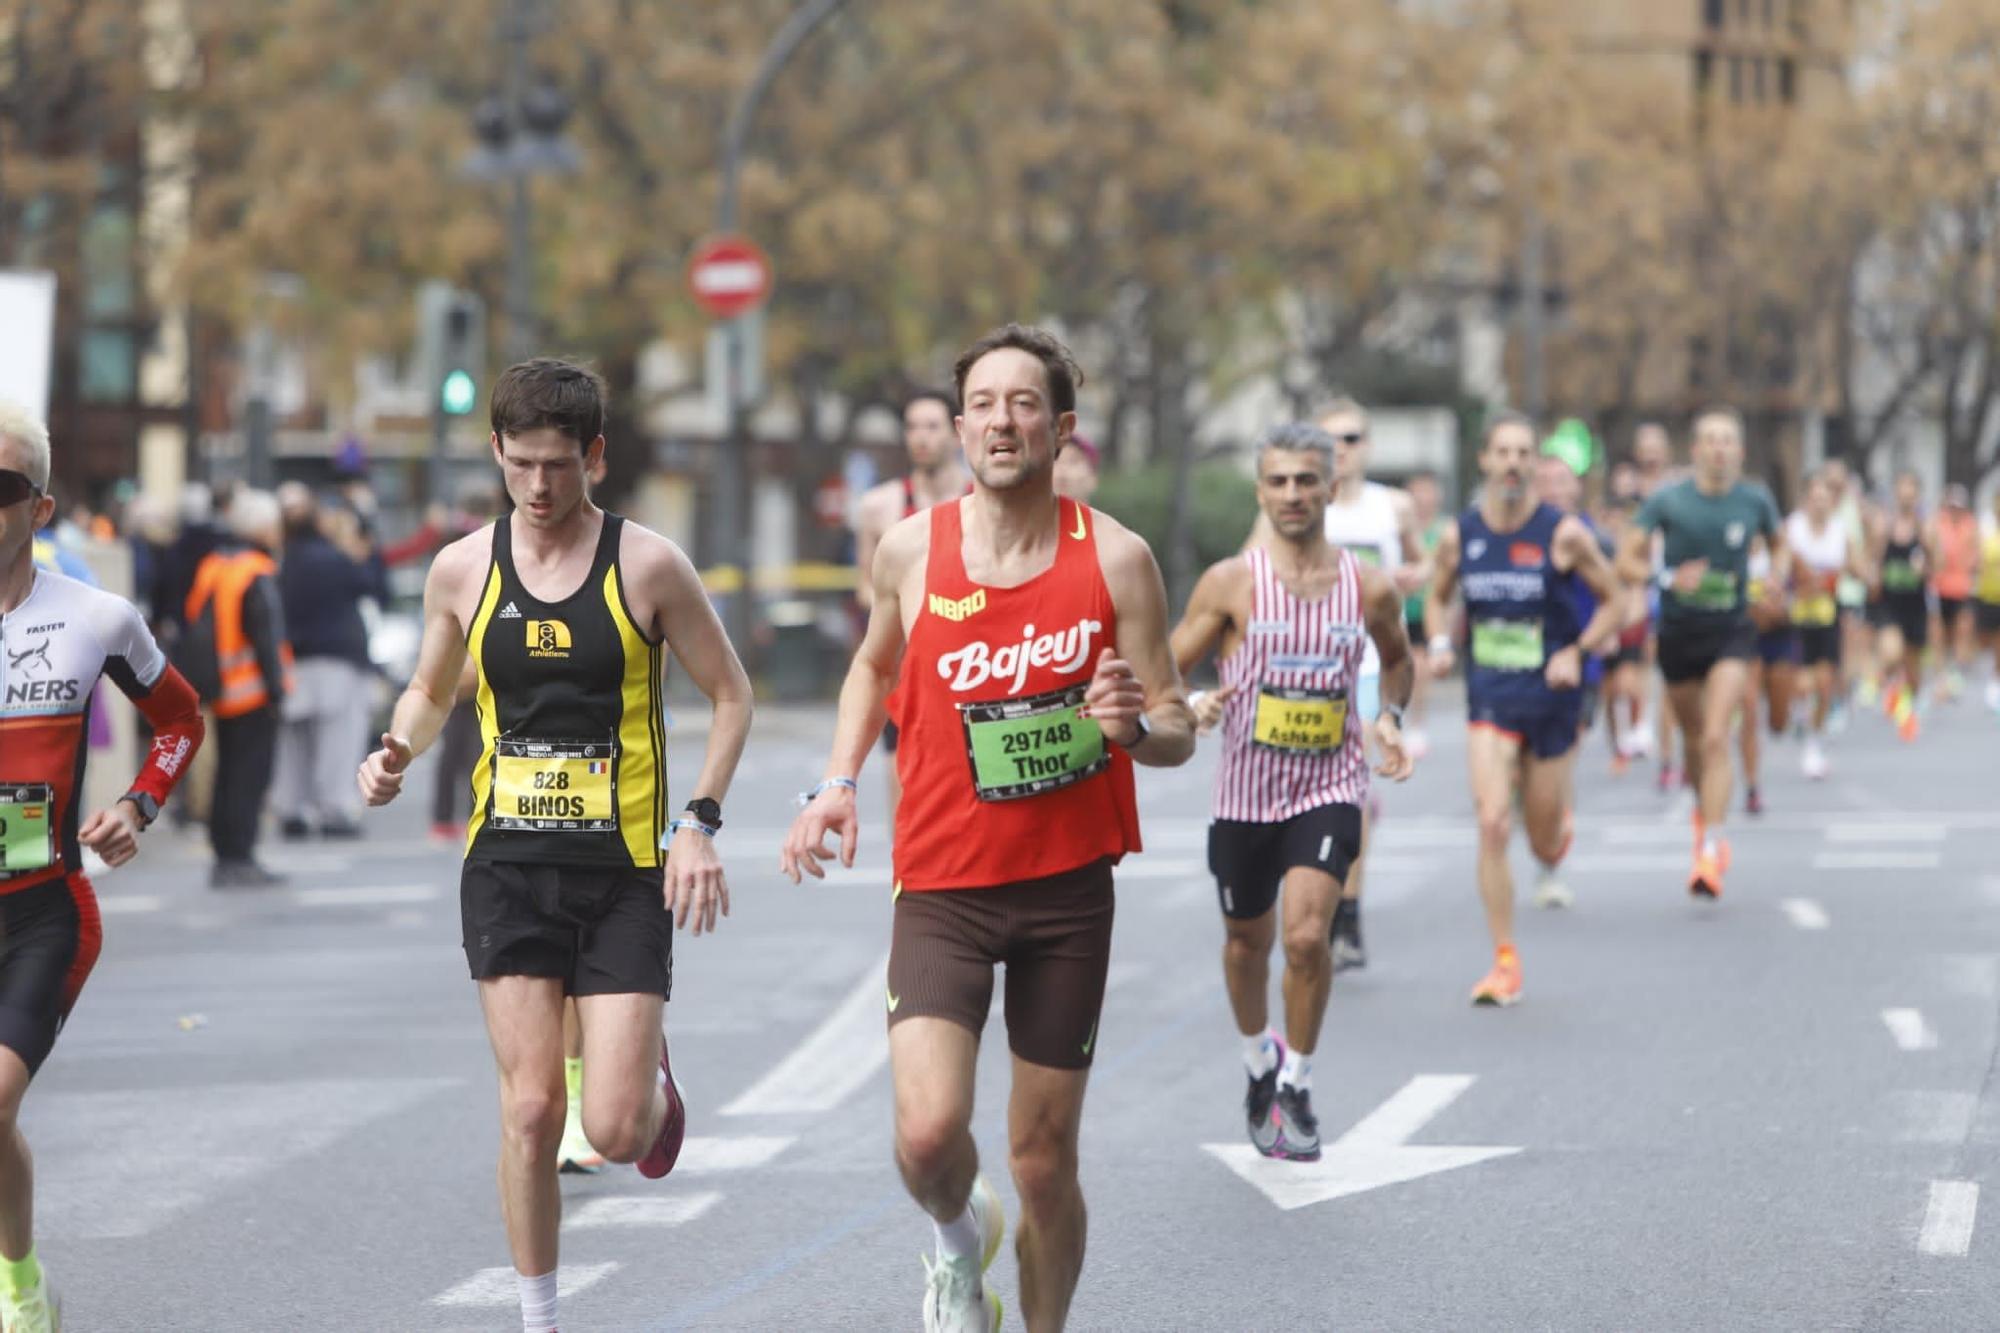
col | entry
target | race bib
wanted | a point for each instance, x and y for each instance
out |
(1819, 609)
(1717, 591)
(1507, 645)
(554, 786)
(1901, 576)
(27, 828)
(1024, 747)
(1299, 721)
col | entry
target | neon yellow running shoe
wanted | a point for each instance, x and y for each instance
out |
(33, 1311)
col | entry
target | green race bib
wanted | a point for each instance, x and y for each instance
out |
(27, 828)
(1717, 591)
(1507, 645)
(1024, 747)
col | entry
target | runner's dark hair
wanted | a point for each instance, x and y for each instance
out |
(942, 397)
(1509, 417)
(549, 393)
(1058, 365)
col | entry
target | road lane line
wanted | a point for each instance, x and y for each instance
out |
(1878, 832)
(740, 1153)
(640, 1210)
(1948, 1218)
(1622, 862)
(1910, 1030)
(130, 904)
(1805, 913)
(366, 895)
(834, 1060)
(497, 1286)
(1876, 860)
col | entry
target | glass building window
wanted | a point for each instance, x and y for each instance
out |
(107, 365)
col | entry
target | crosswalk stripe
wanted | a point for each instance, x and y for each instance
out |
(1910, 1029)
(1949, 1218)
(129, 904)
(1879, 832)
(740, 1153)
(497, 1286)
(1805, 913)
(366, 895)
(1875, 860)
(640, 1210)
(841, 1054)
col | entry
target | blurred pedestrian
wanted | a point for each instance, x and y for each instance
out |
(328, 570)
(234, 650)
(1077, 468)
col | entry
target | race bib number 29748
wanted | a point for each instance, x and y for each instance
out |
(1024, 747)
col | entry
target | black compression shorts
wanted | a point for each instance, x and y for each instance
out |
(600, 930)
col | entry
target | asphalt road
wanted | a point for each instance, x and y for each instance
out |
(276, 1110)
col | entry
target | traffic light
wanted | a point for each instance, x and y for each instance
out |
(451, 348)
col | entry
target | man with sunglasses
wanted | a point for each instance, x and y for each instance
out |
(1378, 524)
(57, 637)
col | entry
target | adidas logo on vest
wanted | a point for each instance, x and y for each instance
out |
(510, 612)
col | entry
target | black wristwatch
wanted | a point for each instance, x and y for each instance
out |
(149, 809)
(706, 810)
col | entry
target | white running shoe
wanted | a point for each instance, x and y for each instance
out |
(955, 1297)
(1993, 695)
(1813, 762)
(576, 1156)
(1416, 742)
(1551, 893)
(1638, 742)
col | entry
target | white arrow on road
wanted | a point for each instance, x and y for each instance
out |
(1376, 1152)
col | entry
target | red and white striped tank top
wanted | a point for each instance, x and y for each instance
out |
(1290, 739)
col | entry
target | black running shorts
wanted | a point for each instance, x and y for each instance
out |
(600, 930)
(1912, 617)
(1054, 937)
(1689, 651)
(1950, 609)
(1249, 861)
(1819, 643)
(50, 934)
(1986, 615)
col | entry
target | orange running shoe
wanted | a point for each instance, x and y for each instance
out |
(1501, 986)
(1621, 764)
(1709, 868)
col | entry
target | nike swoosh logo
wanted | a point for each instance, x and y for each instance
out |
(1091, 1040)
(896, 892)
(1080, 534)
(895, 999)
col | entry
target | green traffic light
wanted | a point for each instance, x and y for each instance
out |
(458, 393)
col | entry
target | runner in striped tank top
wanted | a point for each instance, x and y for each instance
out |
(1517, 562)
(1290, 618)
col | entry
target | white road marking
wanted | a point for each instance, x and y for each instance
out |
(1875, 860)
(640, 1210)
(1935, 1117)
(1618, 862)
(1877, 832)
(700, 1154)
(1374, 1153)
(834, 1060)
(1910, 1029)
(130, 904)
(119, 1165)
(367, 895)
(496, 1286)
(1139, 868)
(1948, 1218)
(1805, 913)
(1624, 835)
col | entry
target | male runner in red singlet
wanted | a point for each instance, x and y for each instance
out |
(936, 474)
(57, 637)
(1291, 616)
(1025, 638)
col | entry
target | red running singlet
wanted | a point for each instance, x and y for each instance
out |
(1002, 780)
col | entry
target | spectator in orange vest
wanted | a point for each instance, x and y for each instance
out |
(236, 594)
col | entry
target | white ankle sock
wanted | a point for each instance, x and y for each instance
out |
(538, 1302)
(960, 1239)
(1260, 1053)
(1297, 1071)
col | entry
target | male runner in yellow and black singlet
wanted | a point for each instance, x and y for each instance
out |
(571, 884)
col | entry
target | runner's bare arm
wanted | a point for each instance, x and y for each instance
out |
(427, 700)
(1382, 611)
(1577, 551)
(863, 709)
(872, 518)
(1143, 655)
(1635, 555)
(1208, 615)
(684, 617)
(1415, 571)
(1437, 606)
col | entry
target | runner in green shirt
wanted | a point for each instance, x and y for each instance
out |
(1706, 525)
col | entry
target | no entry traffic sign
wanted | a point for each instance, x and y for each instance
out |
(729, 276)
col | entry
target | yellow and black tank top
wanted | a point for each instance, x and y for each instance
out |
(572, 767)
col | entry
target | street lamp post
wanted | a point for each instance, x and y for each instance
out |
(732, 472)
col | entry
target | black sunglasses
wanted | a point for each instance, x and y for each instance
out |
(1351, 436)
(15, 487)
